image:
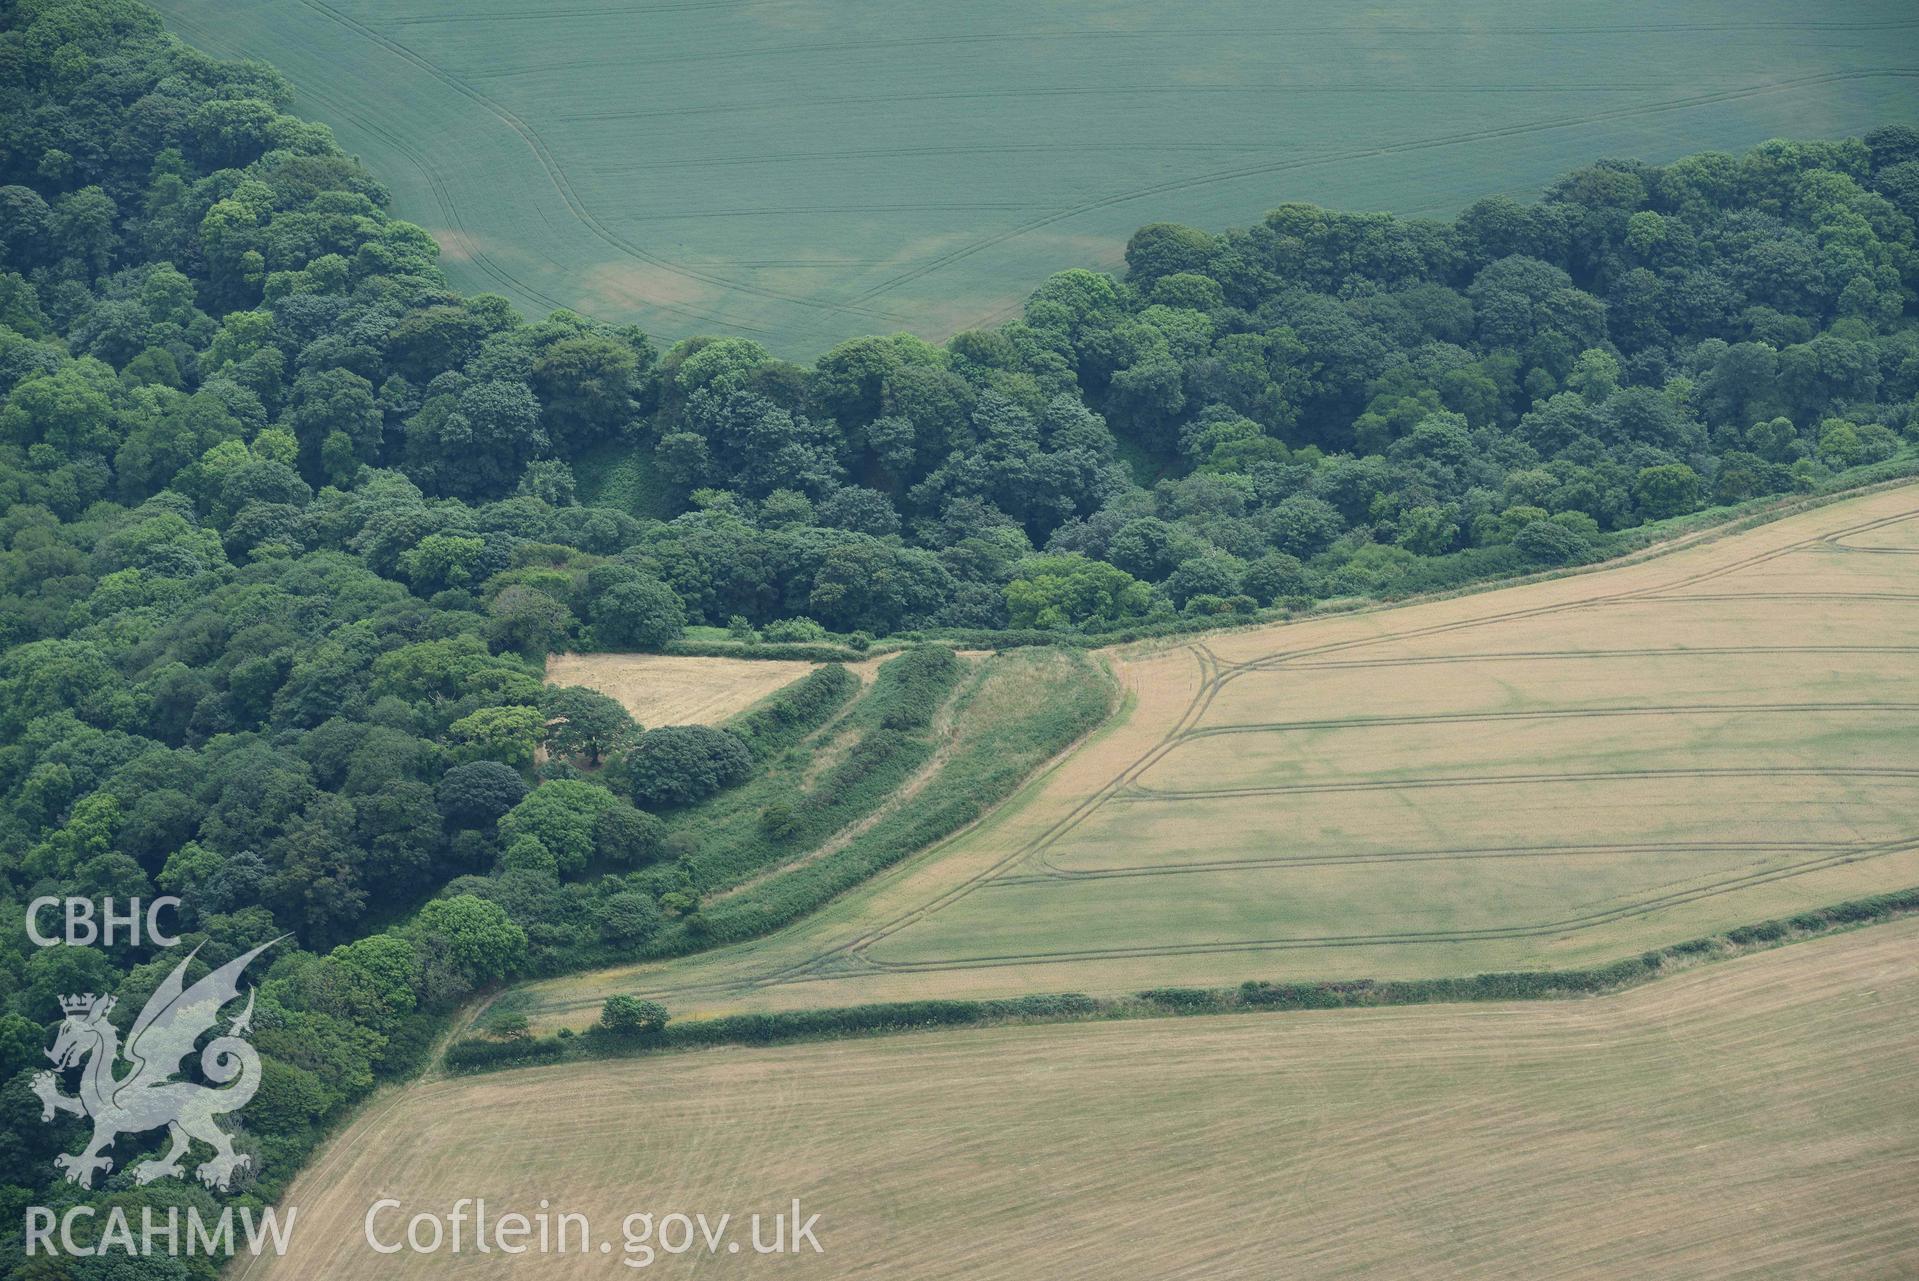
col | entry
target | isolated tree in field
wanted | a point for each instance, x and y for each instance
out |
(585, 723)
(630, 1016)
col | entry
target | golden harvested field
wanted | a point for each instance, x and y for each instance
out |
(661, 689)
(1755, 1119)
(1556, 774)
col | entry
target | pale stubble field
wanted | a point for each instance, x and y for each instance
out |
(1756, 1118)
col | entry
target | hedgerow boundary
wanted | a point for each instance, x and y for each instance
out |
(1254, 996)
(1470, 573)
(1466, 573)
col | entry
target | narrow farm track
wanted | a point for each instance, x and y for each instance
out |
(1496, 780)
(1428, 856)
(1520, 656)
(1457, 718)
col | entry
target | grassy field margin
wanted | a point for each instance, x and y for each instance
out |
(1253, 996)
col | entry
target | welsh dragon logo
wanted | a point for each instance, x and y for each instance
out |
(147, 1096)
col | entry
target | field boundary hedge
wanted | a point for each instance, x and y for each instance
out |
(889, 735)
(1614, 549)
(1253, 996)
(788, 651)
(1618, 546)
(790, 713)
(978, 775)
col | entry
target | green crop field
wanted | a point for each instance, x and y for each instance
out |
(800, 172)
(1552, 775)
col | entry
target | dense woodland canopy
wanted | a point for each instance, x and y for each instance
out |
(289, 526)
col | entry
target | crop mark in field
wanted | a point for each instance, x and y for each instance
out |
(646, 266)
(848, 960)
(556, 175)
(1636, 31)
(1564, 925)
(1838, 543)
(1289, 657)
(1702, 597)
(771, 210)
(1473, 31)
(1555, 655)
(762, 158)
(583, 11)
(1539, 714)
(854, 954)
(1135, 793)
(450, 215)
(1055, 873)
(1385, 149)
(1127, 91)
